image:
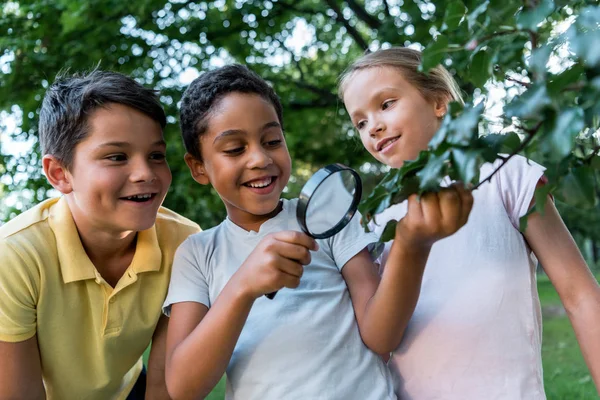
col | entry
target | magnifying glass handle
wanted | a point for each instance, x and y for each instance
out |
(271, 295)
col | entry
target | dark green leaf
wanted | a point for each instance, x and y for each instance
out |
(467, 164)
(530, 104)
(502, 143)
(389, 232)
(464, 127)
(454, 14)
(560, 138)
(481, 67)
(434, 53)
(530, 19)
(584, 36)
(472, 17)
(538, 60)
(431, 175)
(577, 188)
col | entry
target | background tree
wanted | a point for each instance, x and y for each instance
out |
(539, 57)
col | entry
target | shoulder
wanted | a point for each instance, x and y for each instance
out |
(173, 227)
(29, 221)
(516, 167)
(28, 237)
(204, 241)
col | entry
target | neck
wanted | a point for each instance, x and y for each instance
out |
(251, 222)
(111, 252)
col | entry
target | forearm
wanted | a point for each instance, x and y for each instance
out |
(199, 361)
(156, 388)
(389, 310)
(585, 318)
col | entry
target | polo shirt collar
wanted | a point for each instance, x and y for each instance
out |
(74, 262)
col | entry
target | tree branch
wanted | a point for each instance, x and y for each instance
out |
(349, 28)
(386, 7)
(522, 83)
(364, 16)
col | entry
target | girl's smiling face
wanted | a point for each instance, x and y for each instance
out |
(395, 121)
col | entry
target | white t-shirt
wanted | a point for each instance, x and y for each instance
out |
(303, 344)
(476, 331)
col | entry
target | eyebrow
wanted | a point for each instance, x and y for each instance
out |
(232, 132)
(126, 144)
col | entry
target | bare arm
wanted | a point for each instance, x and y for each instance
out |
(200, 344)
(384, 308)
(578, 289)
(21, 371)
(200, 341)
(156, 387)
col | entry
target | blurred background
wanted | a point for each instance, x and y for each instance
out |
(300, 47)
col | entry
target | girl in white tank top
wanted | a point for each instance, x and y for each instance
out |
(476, 330)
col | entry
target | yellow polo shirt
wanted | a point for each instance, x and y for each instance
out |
(91, 336)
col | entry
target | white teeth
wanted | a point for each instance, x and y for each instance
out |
(139, 197)
(389, 142)
(260, 184)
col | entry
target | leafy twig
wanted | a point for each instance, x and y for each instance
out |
(523, 144)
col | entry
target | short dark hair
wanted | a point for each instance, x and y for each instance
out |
(205, 93)
(71, 99)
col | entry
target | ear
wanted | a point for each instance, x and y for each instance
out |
(57, 174)
(440, 106)
(197, 169)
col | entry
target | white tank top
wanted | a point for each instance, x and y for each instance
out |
(476, 330)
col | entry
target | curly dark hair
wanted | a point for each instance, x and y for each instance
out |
(205, 93)
(71, 99)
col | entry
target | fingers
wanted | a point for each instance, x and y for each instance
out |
(450, 209)
(436, 215)
(297, 238)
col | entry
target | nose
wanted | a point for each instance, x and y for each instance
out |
(142, 171)
(259, 158)
(376, 127)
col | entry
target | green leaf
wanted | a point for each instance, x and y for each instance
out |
(465, 126)
(389, 232)
(454, 14)
(584, 36)
(541, 197)
(530, 104)
(577, 188)
(431, 175)
(472, 17)
(556, 83)
(502, 143)
(434, 54)
(481, 67)
(558, 142)
(467, 164)
(530, 19)
(538, 60)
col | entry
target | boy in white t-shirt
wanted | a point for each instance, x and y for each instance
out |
(319, 340)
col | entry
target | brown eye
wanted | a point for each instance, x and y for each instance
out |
(387, 104)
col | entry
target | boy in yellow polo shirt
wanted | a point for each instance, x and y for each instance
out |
(83, 277)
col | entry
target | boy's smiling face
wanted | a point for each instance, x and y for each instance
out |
(119, 176)
(244, 157)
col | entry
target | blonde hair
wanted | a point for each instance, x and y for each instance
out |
(436, 84)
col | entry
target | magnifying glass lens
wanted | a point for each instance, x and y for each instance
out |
(331, 202)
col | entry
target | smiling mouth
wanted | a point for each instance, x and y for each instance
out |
(385, 143)
(140, 198)
(260, 183)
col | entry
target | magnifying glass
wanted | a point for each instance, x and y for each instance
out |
(327, 202)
